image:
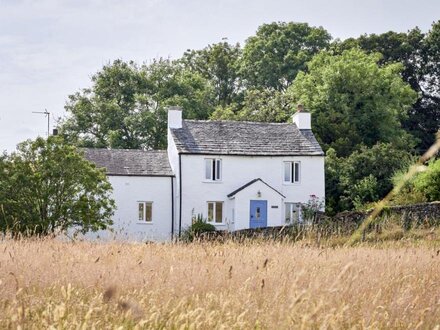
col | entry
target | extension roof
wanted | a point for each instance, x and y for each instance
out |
(130, 162)
(244, 138)
(232, 194)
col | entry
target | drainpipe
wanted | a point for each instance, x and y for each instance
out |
(180, 194)
(172, 207)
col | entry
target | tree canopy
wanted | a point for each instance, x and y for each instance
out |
(354, 101)
(218, 63)
(278, 51)
(48, 187)
(126, 105)
(420, 55)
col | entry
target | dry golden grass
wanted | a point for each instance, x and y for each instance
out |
(48, 283)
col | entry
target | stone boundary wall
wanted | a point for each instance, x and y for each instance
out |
(346, 222)
(415, 213)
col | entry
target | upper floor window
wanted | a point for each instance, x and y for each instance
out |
(292, 172)
(145, 211)
(213, 169)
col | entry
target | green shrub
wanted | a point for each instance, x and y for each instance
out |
(198, 227)
(312, 207)
(428, 182)
(423, 187)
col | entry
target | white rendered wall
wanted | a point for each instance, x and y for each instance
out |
(239, 170)
(127, 191)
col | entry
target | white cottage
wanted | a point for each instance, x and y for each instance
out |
(236, 175)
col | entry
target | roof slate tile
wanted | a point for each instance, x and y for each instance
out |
(244, 138)
(130, 162)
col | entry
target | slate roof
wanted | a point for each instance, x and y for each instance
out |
(251, 183)
(130, 162)
(244, 138)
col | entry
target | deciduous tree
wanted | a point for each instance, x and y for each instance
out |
(420, 55)
(354, 101)
(126, 105)
(218, 63)
(278, 51)
(363, 177)
(47, 187)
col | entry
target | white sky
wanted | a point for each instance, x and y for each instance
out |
(50, 48)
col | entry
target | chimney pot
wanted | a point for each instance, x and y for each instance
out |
(300, 108)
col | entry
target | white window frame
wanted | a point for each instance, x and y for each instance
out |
(289, 206)
(144, 216)
(215, 171)
(294, 172)
(214, 212)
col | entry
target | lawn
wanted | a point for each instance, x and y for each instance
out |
(261, 284)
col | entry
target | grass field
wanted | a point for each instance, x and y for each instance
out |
(48, 283)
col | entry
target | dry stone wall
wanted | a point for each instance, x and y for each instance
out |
(415, 213)
(427, 214)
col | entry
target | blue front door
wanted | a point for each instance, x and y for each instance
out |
(258, 214)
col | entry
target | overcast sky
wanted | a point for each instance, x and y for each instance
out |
(50, 48)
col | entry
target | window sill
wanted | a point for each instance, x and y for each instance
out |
(144, 223)
(210, 181)
(217, 224)
(291, 183)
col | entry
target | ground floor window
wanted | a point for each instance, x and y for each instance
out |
(145, 211)
(293, 213)
(215, 212)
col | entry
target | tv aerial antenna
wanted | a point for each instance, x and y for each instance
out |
(46, 114)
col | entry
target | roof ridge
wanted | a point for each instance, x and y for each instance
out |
(235, 121)
(126, 150)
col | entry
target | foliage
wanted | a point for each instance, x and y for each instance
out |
(225, 113)
(311, 207)
(354, 101)
(264, 105)
(218, 64)
(47, 186)
(363, 177)
(126, 105)
(423, 187)
(198, 227)
(267, 105)
(278, 51)
(333, 187)
(364, 191)
(420, 55)
(407, 195)
(428, 182)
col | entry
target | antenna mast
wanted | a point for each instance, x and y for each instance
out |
(47, 114)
